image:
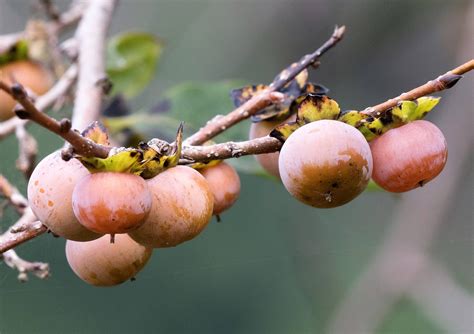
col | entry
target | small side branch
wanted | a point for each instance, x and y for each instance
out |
(39, 269)
(265, 98)
(445, 81)
(26, 228)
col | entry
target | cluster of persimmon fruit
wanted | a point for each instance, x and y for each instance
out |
(113, 220)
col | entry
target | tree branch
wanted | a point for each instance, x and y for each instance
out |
(265, 98)
(229, 150)
(91, 37)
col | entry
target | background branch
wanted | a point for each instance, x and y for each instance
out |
(91, 36)
(403, 260)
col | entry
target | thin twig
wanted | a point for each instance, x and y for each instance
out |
(26, 228)
(62, 128)
(445, 81)
(265, 98)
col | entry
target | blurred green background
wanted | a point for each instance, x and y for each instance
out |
(274, 265)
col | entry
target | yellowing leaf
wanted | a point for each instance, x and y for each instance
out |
(282, 132)
(316, 107)
(126, 161)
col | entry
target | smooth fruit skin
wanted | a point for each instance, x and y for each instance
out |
(268, 161)
(31, 75)
(225, 185)
(102, 263)
(50, 196)
(325, 164)
(409, 156)
(182, 207)
(111, 202)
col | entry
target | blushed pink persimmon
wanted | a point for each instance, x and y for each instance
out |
(50, 196)
(325, 164)
(102, 263)
(182, 207)
(225, 185)
(268, 161)
(111, 202)
(409, 156)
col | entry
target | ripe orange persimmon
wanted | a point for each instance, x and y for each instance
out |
(325, 164)
(50, 196)
(182, 207)
(102, 263)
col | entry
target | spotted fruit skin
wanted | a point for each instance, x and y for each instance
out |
(111, 202)
(182, 207)
(102, 263)
(268, 161)
(224, 183)
(408, 157)
(325, 163)
(50, 196)
(32, 75)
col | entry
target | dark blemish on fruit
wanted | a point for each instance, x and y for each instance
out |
(335, 185)
(42, 190)
(50, 203)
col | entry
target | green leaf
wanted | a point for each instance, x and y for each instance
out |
(425, 105)
(127, 161)
(131, 62)
(404, 112)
